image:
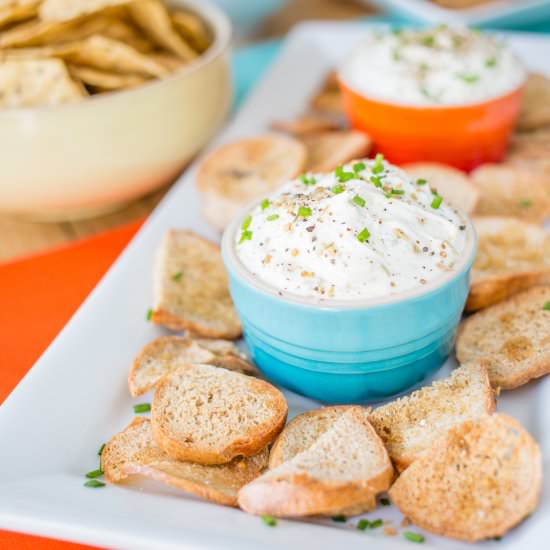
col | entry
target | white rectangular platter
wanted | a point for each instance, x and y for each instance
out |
(497, 12)
(76, 396)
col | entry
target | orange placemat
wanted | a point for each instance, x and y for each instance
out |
(38, 295)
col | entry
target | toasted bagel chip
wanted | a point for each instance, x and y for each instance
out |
(190, 288)
(236, 174)
(478, 481)
(227, 414)
(517, 191)
(531, 150)
(535, 109)
(452, 184)
(512, 256)
(327, 150)
(134, 452)
(329, 98)
(165, 354)
(67, 10)
(192, 29)
(40, 82)
(511, 338)
(153, 17)
(14, 11)
(103, 80)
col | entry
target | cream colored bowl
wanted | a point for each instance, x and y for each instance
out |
(76, 160)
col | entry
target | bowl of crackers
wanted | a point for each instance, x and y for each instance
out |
(104, 101)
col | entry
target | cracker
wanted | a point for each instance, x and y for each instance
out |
(153, 17)
(517, 191)
(134, 451)
(452, 184)
(327, 150)
(306, 124)
(103, 80)
(192, 29)
(37, 82)
(35, 33)
(236, 174)
(197, 300)
(66, 10)
(535, 108)
(329, 98)
(14, 11)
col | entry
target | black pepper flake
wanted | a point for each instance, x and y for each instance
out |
(424, 249)
(310, 228)
(462, 227)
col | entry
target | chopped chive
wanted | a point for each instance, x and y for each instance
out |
(142, 408)
(436, 202)
(421, 181)
(491, 62)
(378, 166)
(339, 519)
(101, 449)
(546, 306)
(343, 176)
(376, 180)
(246, 235)
(95, 473)
(358, 166)
(396, 54)
(94, 483)
(246, 223)
(338, 188)
(526, 203)
(385, 501)
(397, 192)
(363, 524)
(414, 537)
(272, 217)
(363, 235)
(270, 521)
(304, 211)
(307, 180)
(468, 78)
(376, 523)
(424, 66)
(359, 201)
(428, 41)
(149, 315)
(265, 204)
(497, 538)
(177, 276)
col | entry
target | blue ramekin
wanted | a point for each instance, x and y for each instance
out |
(340, 351)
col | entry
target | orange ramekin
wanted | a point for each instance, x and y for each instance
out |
(463, 136)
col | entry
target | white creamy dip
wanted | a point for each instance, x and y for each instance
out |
(366, 230)
(441, 66)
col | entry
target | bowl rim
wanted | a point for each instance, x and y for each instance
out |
(233, 263)
(345, 87)
(206, 10)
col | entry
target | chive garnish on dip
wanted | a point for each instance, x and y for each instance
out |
(272, 217)
(363, 235)
(358, 166)
(378, 166)
(397, 192)
(307, 180)
(142, 408)
(270, 521)
(149, 315)
(339, 519)
(359, 201)
(385, 501)
(436, 202)
(246, 223)
(362, 524)
(95, 473)
(525, 203)
(177, 276)
(491, 62)
(546, 306)
(376, 180)
(376, 523)
(414, 537)
(304, 211)
(94, 483)
(101, 449)
(421, 181)
(265, 204)
(338, 188)
(246, 236)
(342, 175)
(468, 78)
